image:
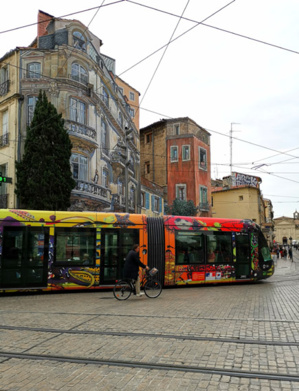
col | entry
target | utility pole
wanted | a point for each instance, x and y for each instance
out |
(231, 145)
(127, 163)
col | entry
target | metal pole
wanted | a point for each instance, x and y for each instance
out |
(126, 181)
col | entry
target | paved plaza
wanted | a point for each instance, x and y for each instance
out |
(230, 337)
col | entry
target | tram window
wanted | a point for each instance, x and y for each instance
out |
(189, 248)
(13, 242)
(243, 249)
(219, 247)
(264, 251)
(75, 246)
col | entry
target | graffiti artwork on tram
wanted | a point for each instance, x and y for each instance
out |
(188, 274)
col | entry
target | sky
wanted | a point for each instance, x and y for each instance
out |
(232, 67)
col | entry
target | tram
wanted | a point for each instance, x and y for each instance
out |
(47, 250)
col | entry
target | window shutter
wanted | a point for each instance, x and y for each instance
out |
(153, 202)
(160, 205)
(146, 200)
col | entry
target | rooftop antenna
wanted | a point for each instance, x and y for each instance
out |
(231, 144)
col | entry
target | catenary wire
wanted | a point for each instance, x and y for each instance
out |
(62, 16)
(161, 58)
(217, 28)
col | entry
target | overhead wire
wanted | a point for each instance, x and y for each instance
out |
(217, 28)
(163, 54)
(279, 152)
(58, 17)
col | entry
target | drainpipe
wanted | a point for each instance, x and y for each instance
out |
(20, 102)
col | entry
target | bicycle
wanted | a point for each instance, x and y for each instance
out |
(123, 289)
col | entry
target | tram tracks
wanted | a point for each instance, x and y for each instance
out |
(153, 366)
(178, 365)
(182, 337)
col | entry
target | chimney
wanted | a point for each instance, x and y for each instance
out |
(43, 19)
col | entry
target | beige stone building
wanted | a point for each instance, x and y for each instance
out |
(238, 199)
(66, 61)
(286, 228)
(10, 101)
(239, 196)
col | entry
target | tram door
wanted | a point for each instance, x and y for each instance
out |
(243, 266)
(116, 243)
(24, 259)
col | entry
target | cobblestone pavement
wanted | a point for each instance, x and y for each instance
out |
(231, 337)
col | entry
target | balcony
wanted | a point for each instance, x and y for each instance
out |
(4, 87)
(4, 140)
(92, 189)
(105, 100)
(81, 130)
(80, 78)
(204, 206)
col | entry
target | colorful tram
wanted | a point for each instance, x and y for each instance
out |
(44, 250)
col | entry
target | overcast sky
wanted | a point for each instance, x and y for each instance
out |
(217, 78)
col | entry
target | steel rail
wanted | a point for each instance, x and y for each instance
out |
(153, 335)
(156, 366)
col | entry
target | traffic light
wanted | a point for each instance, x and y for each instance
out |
(4, 179)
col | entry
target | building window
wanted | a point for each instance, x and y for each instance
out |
(104, 137)
(105, 178)
(148, 138)
(203, 198)
(132, 95)
(181, 192)
(240, 198)
(79, 73)
(186, 152)
(4, 82)
(132, 196)
(202, 158)
(120, 187)
(79, 166)
(173, 154)
(121, 90)
(147, 167)
(120, 120)
(105, 97)
(142, 199)
(5, 122)
(156, 204)
(176, 129)
(78, 111)
(79, 40)
(30, 108)
(132, 113)
(34, 70)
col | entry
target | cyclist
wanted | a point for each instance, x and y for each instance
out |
(131, 268)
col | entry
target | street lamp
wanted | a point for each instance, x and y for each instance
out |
(291, 241)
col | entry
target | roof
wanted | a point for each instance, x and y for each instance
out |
(164, 121)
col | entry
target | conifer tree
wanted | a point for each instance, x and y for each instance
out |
(181, 208)
(44, 178)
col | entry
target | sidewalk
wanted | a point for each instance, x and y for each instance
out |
(287, 267)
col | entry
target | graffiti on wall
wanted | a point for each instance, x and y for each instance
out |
(242, 179)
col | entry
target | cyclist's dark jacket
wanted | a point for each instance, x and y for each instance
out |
(132, 265)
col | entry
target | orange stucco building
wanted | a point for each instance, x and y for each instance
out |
(175, 154)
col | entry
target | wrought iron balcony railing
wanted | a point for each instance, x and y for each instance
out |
(204, 206)
(81, 129)
(91, 188)
(4, 87)
(4, 140)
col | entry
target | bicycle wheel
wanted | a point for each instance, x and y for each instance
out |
(152, 288)
(122, 290)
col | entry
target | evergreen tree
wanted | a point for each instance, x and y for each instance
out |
(181, 208)
(44, 178)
